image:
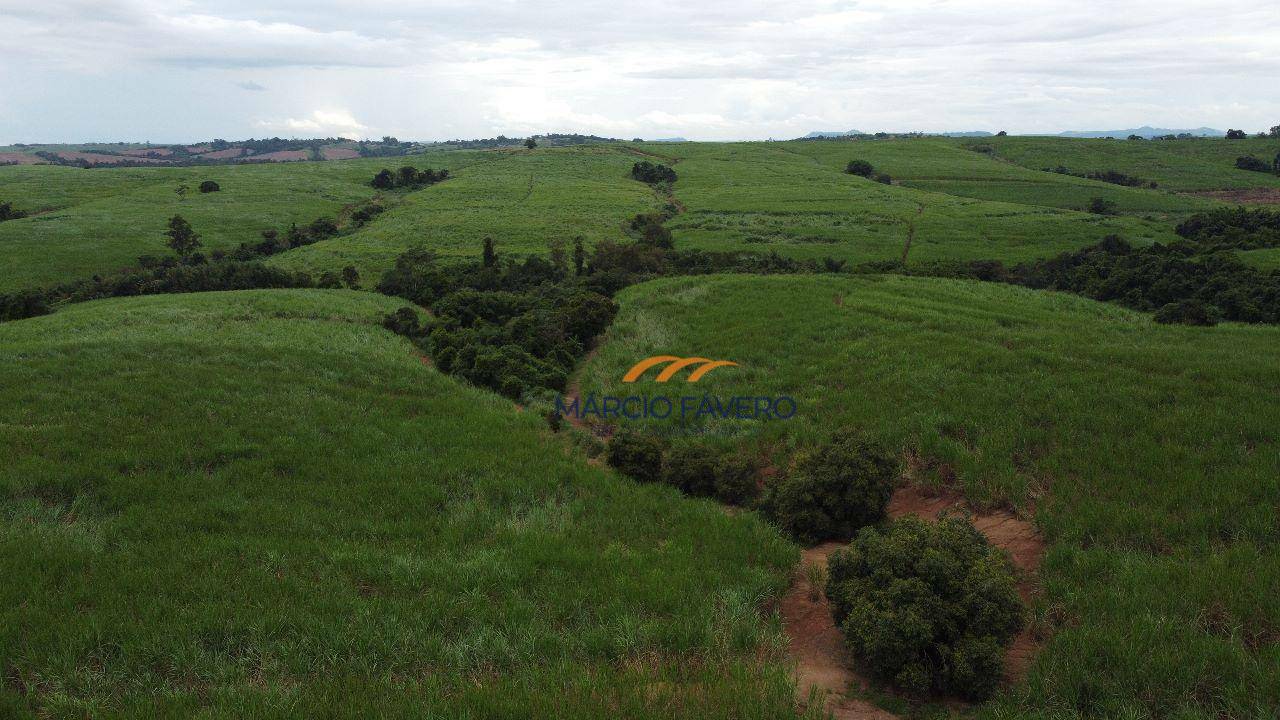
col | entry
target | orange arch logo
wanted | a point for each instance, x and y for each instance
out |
(674, 365)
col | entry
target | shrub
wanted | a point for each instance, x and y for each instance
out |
(209, 186)
(861, 168)
(1102, 206)
(7, 212)
(1187, 312)
(833, 490)
(928, 606)
(736, 482)
(636, 454)
(1249, 162)
(1236, 134)
(405, 321)
(882, 178)
(652, 173)
(692, 468)
(182, 239)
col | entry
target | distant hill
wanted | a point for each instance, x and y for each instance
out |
(969, 133)
(833, 133)
(1145, 131)
(671, 139)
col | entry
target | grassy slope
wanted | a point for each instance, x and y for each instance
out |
(942, 165)
(103, 219)
(262, 504)
(521, 199)
(1180, 165)
(1152, 454)
(774, 196)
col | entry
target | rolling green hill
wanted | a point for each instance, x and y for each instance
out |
(1179, 165)
(262, 504)
(89, 222)
(1149, 454)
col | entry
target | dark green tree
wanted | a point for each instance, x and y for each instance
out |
(580, 254)
(351, 277)
(182, 239)
(490, 257)
(531, 143)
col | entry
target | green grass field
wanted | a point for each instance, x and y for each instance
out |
(262, 504)
(1178, 165)
(102, 220)
(795, 198)
(1150, 455)
(521, 199)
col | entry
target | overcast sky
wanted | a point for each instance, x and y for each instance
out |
(181, 70)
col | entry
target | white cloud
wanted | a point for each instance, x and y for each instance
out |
(327, 123)
(715, 69)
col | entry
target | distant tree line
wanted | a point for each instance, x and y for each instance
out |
(408, 177)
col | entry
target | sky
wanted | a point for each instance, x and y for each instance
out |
(186, 70)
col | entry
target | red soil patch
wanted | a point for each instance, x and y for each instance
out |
(822, 660)
(1252, 196)
(101, 158)
(147, 152)
(12, 158)
(234, 152)
(283, 156)
(338, 153)
(198, 148)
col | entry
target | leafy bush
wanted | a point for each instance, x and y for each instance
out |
(209, 186)
(7, 212)
(692, 468)
(652, 173)
(1187, 312)
(882, 178)
(860, 167)
(928, 606)
(833, 490)
(407, 177)
(636, 454)
(736, 480)
(405, 321)
(1249, 162)
(1102, 206)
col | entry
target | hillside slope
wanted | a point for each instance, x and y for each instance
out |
(1149, 454)
(262, 504)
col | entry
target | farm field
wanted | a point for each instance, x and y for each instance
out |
(521, 199)
(87, 222)
(262, 504)
(1103, 424)
(1179, 165)
(335, 502)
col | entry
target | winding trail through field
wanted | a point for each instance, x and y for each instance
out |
(823, 664)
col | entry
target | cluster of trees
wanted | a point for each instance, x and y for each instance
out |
(1236, 134)
(1181, 282)
(652, 173)
(927, 606)
(693, 468)
(1249, 162)
(1237, 228)
(1102, 206)
(9, 212)
(1115, 177)
(408, 177)
(862, 168)
(209, 186)
(514, 327)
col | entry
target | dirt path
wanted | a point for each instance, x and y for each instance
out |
(911, 233)
(822, 660)
(1252, 196)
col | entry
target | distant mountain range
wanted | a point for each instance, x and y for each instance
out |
(1145, 131)
(833, 133)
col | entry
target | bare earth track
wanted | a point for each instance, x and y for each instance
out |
(823, 664)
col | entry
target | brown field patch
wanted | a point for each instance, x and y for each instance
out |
(1252, 196)
(234, 152)
(147, 152)
(338, 153)
(283, 156)
(17, 158)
